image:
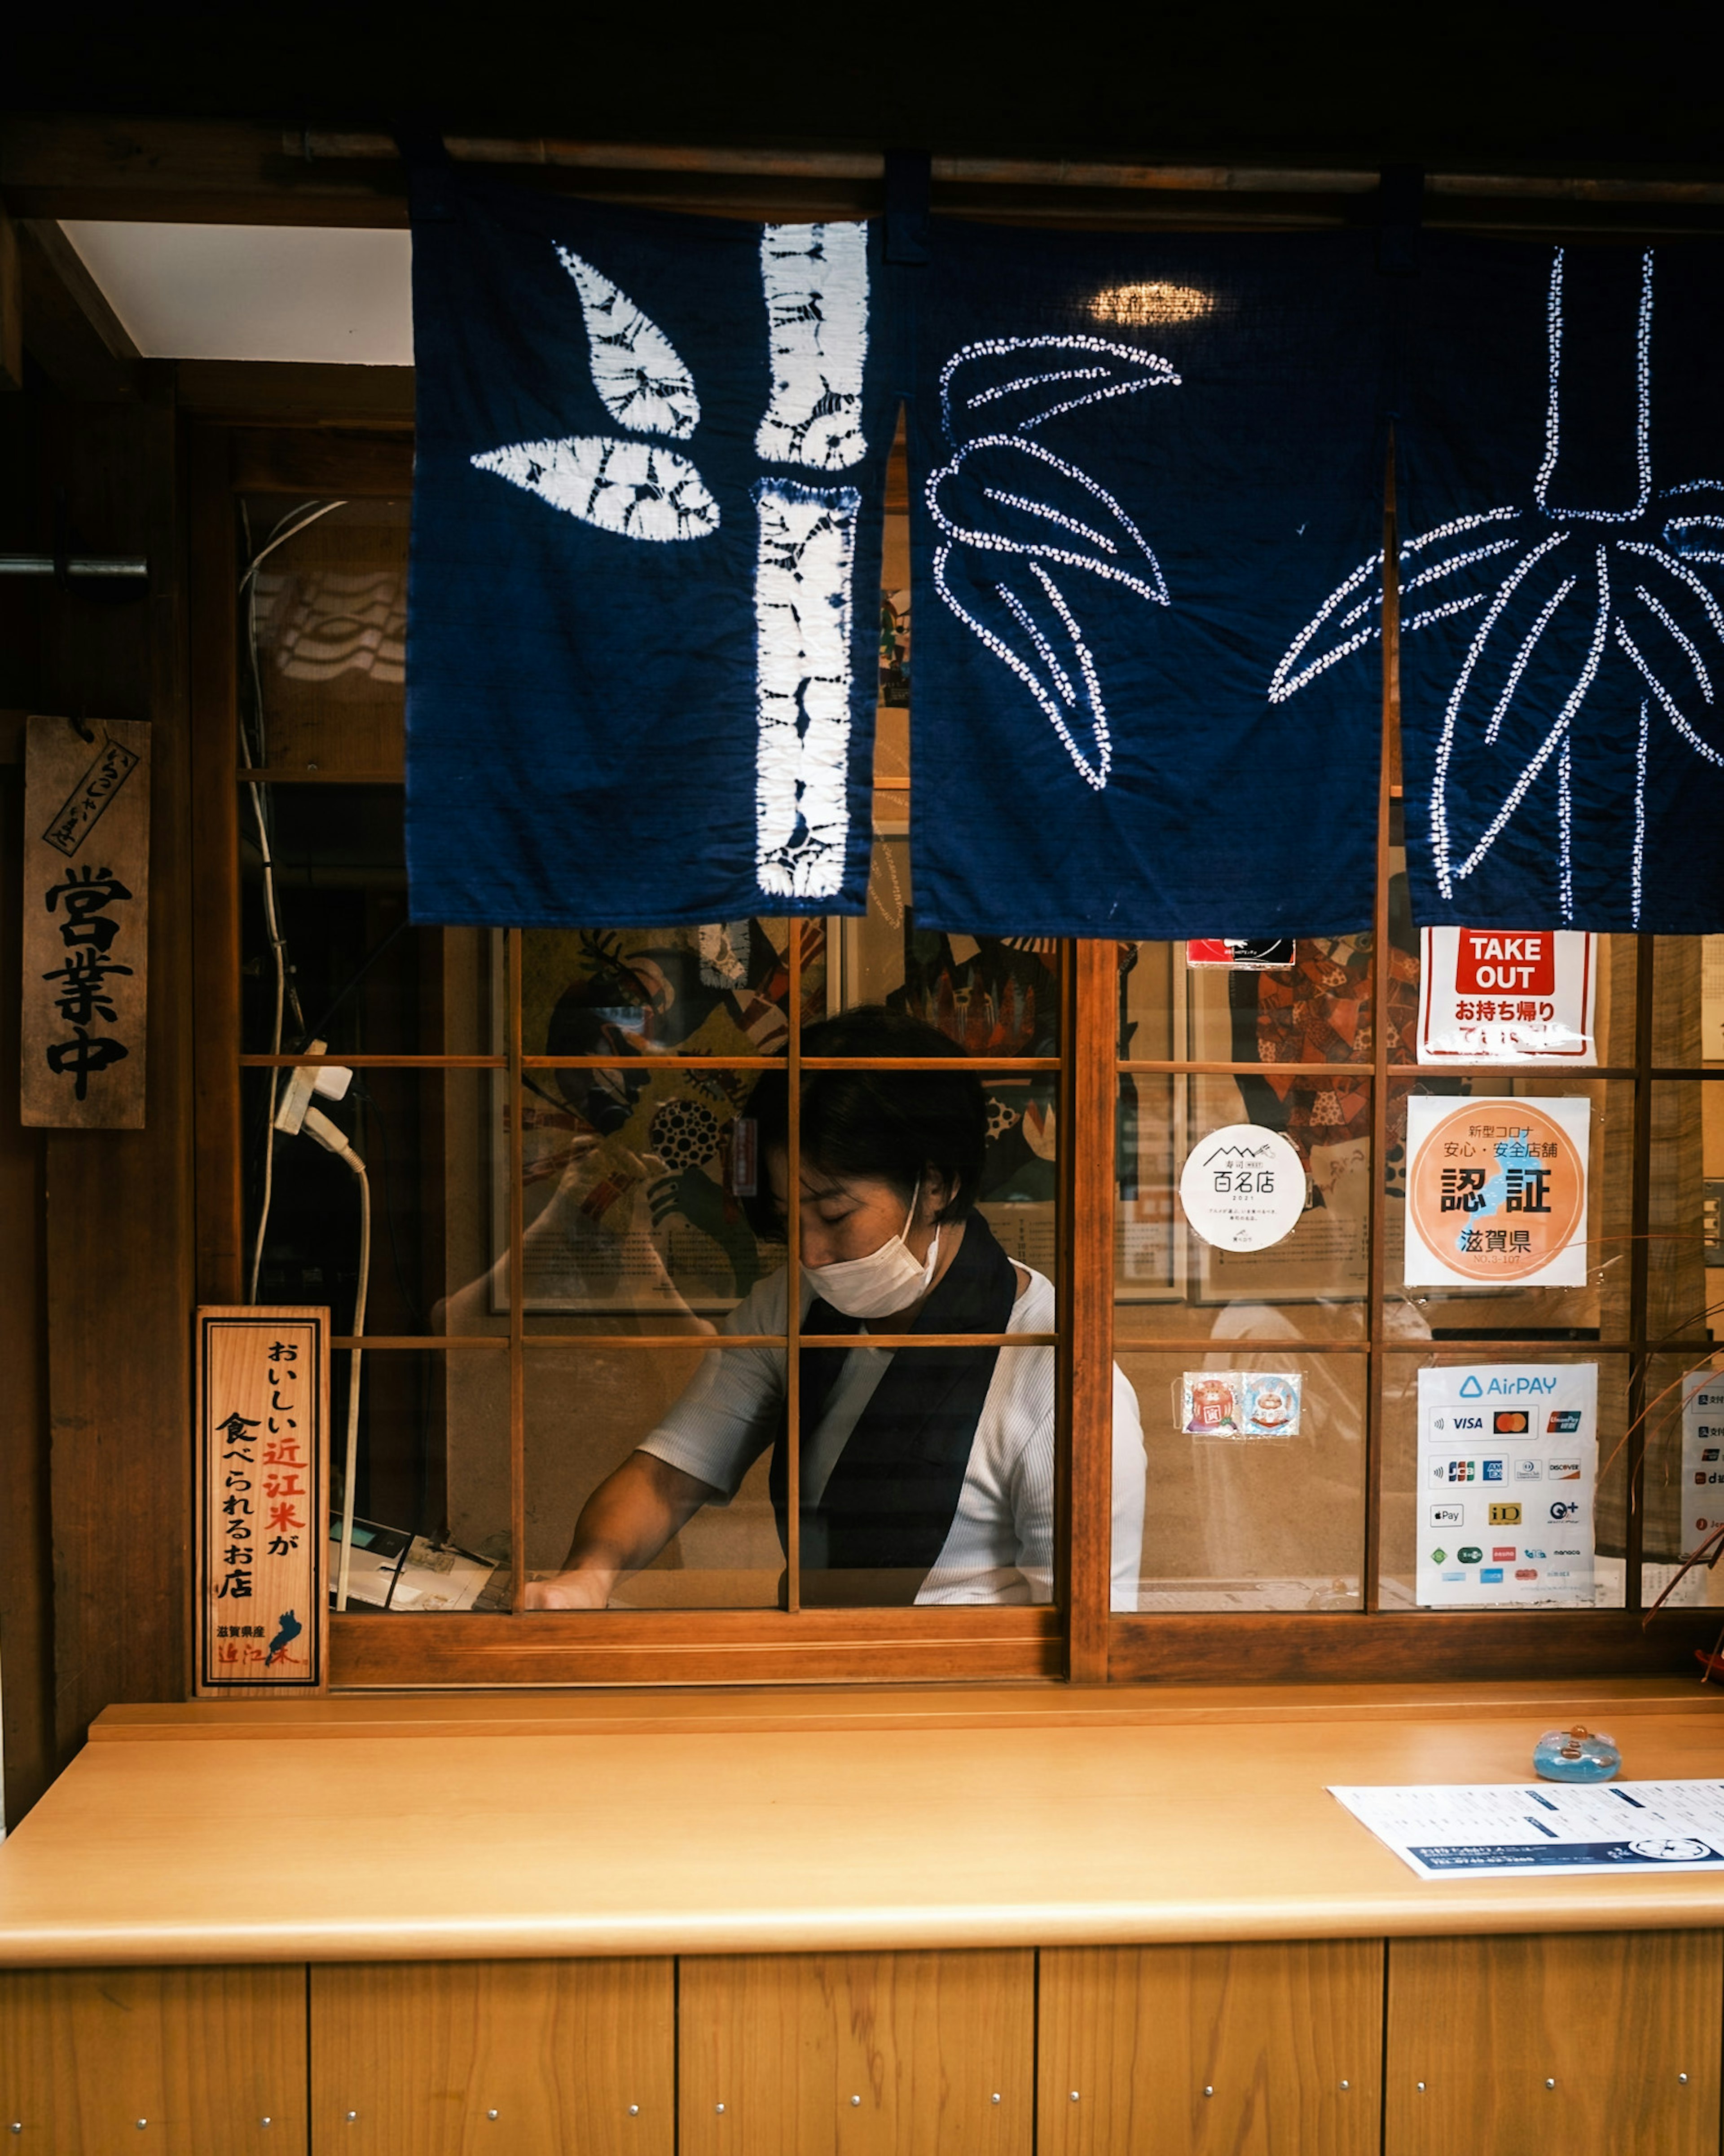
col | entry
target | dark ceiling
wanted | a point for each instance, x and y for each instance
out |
(1537, 87)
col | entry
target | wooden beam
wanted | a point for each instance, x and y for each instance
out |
(241, 171)
(69, 330)
(260, 393)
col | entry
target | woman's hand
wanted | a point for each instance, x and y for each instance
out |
(588, 1590)
(622, 1527)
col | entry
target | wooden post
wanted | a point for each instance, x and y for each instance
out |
(1086, 1317)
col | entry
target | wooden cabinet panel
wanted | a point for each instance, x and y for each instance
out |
(857, 2054)
(1270, 2050)
(148, 2060)
(1580, 2042)
(574, 2058)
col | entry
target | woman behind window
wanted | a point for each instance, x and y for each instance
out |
(927, 1475)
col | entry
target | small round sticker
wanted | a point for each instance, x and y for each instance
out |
(1243, 1188)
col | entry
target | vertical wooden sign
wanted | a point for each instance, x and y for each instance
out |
(263, 1505)
(86, 924)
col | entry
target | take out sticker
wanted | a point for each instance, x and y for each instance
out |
(1496, 1193)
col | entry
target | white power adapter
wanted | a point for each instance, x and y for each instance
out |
(328, 1082)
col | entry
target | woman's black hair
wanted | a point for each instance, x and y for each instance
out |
(893, 1125)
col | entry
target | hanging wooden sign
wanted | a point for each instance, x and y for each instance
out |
(263, 1510)
(86, 898)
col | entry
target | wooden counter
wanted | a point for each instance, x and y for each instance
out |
(434, 1827)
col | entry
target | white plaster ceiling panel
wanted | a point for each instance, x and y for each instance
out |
(255, 291)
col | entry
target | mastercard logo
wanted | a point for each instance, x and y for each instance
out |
(1511, 1422)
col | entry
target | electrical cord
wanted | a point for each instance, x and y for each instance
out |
(316, 1125)
(296, 520)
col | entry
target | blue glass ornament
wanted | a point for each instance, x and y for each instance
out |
(1578, 1754)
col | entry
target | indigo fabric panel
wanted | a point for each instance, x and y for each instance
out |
(1147, 494)
(1562, 565)
(643, 612)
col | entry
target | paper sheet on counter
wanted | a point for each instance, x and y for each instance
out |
(1511, 1831)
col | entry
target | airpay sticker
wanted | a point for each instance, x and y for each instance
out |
(1532, 1547)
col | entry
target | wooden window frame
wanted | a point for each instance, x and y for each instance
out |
(1078, 1637)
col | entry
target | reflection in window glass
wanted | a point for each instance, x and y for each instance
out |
(1255, 1488)
(1683, 1478)
(927, 1474)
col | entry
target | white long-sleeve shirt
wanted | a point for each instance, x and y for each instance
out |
(1000, 1546)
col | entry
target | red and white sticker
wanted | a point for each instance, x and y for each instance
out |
(1499, 995)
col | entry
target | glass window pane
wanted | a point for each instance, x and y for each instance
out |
(407, 1555)
(354, 972)
(606, 1525)
(1171, 1282)
(1685, 1265)
(1684, 1479)
(1599, 1306)
(1254, 1490)
(323, 628)
(1457, 1506)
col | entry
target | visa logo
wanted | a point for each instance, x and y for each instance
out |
(1466, 1422)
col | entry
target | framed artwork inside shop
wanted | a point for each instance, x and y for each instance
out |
(562, 1174)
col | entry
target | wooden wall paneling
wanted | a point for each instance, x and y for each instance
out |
(1252, 2050)
(575, 2058)
(857, 2054)
(26, 1681)
(118, 1202)
(1580, 2042)
(189, 2062)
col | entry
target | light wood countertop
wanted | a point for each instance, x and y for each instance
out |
(438, 1826)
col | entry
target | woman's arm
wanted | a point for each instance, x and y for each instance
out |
(623, 1525)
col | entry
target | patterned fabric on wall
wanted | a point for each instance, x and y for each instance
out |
(1139, 464)
(1561, 513)
(644, 626)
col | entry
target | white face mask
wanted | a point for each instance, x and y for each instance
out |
(887, 1279)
